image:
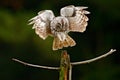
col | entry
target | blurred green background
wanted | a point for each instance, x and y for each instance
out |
(18, 40)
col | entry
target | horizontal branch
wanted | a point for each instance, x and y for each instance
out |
(94, 59)
(73, 63)
(38, 66)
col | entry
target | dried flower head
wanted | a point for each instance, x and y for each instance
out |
(71, 19)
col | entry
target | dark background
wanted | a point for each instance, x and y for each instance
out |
(18, 40)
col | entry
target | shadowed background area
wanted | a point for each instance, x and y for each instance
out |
(18, 40)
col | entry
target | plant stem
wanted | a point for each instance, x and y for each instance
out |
(65, 67)
(38, 66)
(94, 59)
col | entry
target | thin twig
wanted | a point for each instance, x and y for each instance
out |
(70, 72)
(38, 66)
(73, 63)
(94, 59)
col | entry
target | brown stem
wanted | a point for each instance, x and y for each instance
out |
(94, 59)
(38, 66)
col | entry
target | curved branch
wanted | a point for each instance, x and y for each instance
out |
(73, 63)
(94, 59)
(38, 66)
